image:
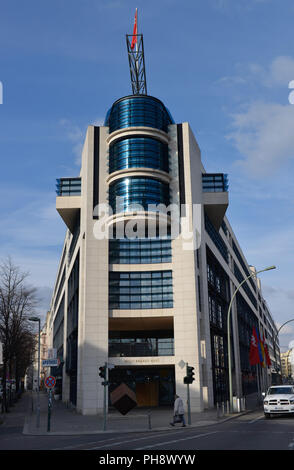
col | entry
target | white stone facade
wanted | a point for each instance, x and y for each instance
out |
(191, 325)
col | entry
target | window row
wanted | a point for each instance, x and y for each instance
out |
(120, 259)
(125, 193)
(141, 289)
(138, 111)
(138, 152)
(140, 305)
(68, 186)
(215, 182)
(245, 286)
(216, 238)
(136, 290)
(140, 251)
(136, 347)
(216, 312)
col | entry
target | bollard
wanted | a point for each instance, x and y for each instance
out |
(243, 402)
(238, 405)
(223, 408)
(217, 409)
(149, 420)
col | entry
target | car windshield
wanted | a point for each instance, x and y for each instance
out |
(280, 391)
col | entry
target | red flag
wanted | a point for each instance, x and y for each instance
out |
(267, 356)
(254, 357)
(135, 32)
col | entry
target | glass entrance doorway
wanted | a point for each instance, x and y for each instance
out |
(154, 386)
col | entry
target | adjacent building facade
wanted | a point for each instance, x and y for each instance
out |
(287, 365)
(151, 304)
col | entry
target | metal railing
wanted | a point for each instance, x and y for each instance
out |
(215, 182)
(68, 186)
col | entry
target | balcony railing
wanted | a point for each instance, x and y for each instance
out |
(68, 186)
(215, 182)
(142, 349)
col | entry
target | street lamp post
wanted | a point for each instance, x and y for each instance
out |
(36, 319)
(275, 341)
(229, 330)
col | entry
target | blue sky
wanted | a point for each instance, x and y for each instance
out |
(222, 65)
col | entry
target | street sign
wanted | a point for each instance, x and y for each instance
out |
(50, 381)
(50, 362)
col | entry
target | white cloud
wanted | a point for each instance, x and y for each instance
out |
(281, 71)
(278, 73)
(263, 134)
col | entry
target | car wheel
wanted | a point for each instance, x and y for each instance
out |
(267, 415)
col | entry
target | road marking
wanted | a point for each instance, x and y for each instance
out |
(256, 419)
(73, 446)
(177, 440)
(138, 439)
(85, 443)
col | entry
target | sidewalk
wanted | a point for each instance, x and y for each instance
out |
(17, 413)
(66, 421)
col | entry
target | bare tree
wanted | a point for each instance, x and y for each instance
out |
(17, 303)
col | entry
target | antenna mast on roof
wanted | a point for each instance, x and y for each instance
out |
(135, 49)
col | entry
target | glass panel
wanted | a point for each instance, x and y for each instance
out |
(139, 293)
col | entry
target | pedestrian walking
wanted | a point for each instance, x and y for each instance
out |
(179, 412)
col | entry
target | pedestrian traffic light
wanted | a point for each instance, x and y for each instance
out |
(190, 375)
(102, 372)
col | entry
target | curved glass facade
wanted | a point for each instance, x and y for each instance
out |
(133, 152)
(126, 192)
(138, 110)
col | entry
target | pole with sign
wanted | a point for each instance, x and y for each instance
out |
(49, 383)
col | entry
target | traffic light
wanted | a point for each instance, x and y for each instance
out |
(102, 372)
(190, 375)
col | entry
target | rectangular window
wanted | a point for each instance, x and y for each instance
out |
(139, 251)
(143, 290)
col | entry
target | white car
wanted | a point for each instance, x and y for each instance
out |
(279, 399)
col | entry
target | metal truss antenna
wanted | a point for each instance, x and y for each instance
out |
(137, 65)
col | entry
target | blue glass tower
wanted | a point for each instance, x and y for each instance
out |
(138, 150)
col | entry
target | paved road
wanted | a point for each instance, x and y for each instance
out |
(247, 432)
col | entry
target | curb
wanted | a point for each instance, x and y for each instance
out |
(26, 430)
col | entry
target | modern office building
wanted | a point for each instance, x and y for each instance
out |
(153, 303)
(150, 305)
